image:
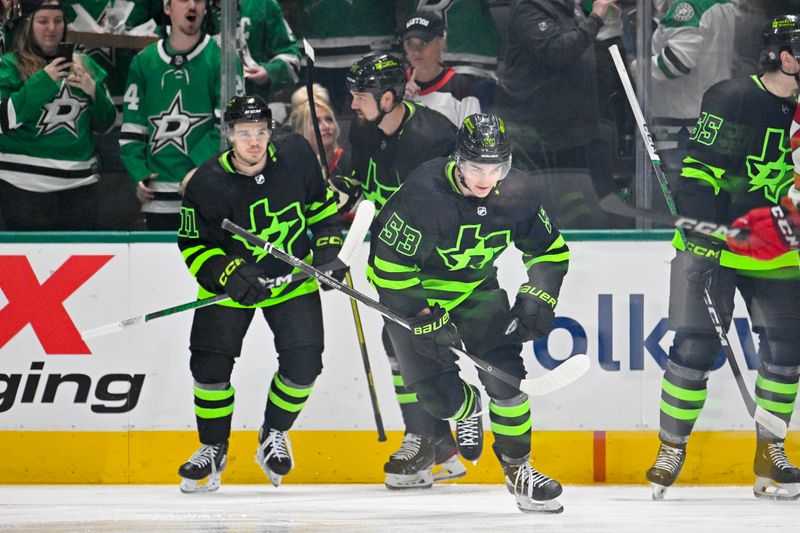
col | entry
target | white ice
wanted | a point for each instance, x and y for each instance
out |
(312, 508)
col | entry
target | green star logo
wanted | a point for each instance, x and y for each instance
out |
(771, 176)
(281, 228)
(374, 190)
(473, 250)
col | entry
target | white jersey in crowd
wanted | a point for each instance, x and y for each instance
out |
(692, 50)
(451, 94)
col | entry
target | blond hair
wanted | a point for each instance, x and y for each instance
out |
(300, 117)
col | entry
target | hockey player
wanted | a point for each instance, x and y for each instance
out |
(738, 159)
(432, 260)
(170, 112)
(391, 137)
(275, 189)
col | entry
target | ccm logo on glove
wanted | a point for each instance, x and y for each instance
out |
(223, 278)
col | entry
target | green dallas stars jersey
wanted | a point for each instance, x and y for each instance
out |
(434, 245)
(46, 128)
(170, 116)
(739, 158)
(381, 164)
(280, 205)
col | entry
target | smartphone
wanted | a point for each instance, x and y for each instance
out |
(66, 50)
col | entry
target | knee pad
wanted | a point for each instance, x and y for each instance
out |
(441, 395)
(694, 351)
(300, 365)
(783, 353)
(210, 367)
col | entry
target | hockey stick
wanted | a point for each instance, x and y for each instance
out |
(351, 244)
(575, 366)
(768, 420)
(348, 278)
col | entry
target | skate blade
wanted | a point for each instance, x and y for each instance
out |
(193, 486)
(658, 491)
(768, 489)
(420, 480)
(274, 478)
(450, 469)
(532, 506)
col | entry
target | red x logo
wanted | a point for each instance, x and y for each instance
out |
(42, 306)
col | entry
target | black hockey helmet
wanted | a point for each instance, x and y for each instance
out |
(482, 138)
(247, 109)
(376, 73)
(781, 33)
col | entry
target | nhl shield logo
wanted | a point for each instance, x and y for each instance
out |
(481, 211)
(259, 179)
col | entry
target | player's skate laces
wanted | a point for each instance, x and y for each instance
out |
(666, 469)
(208, 461)
(274, 455)
(534, 491)
(469, 433)
(776, 477)
(410, 466)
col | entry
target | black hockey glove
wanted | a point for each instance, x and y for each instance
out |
(701, 262)
(325, 248)
(347, 190)
(244, 282)
(532, 315)
(434, 334)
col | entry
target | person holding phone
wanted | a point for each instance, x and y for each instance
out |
(51, 103)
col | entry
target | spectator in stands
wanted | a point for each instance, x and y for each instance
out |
(548, 92)
(692, 50)
(5, 17)
(268, 48)
(473, 41)
(431, 82)
(342, 32)
(171, 112)
(50, 106)
(337, 157)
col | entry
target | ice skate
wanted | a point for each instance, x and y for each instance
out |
(534, 491)
(776, 477)
(274, 454)
(410, 467)
(666, 469)
(448, 465)
(208, 462)
(469, 433)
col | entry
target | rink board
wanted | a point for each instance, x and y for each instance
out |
(120, 406)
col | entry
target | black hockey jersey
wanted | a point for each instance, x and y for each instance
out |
(280, 205)
(739, 158)
(434, 245)
(381, 163)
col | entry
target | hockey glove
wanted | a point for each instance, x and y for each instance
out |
(347, 190)
(532, 315)
(326, 247)
(433, 335)
(244, 282)
(773, 231)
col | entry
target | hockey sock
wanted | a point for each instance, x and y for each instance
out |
(468, 406)
(776, 391)
(285, 401)
(213, 408)
(683, 394)
(511, 425)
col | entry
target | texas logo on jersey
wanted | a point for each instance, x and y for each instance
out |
(279, 228)
(173, 126)
(63, 111)
(473, 250)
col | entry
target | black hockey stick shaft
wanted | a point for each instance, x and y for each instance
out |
(356, 295)
(769, 420)
(323, 160)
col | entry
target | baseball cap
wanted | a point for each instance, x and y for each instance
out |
(423, 25)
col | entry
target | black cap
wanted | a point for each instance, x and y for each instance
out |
(423, 25)
(28, 7)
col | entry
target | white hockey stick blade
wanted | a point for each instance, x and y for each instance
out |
(564, 374)
(111, 328)
(365, 213)
(770, 422)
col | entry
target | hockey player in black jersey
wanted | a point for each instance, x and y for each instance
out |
(432, 260)
(275, 189)
(390, 139)
(739, 159)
